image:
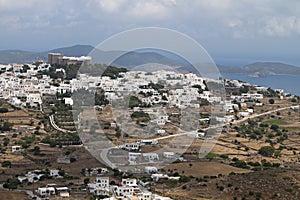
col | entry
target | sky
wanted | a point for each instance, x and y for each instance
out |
(234, 32)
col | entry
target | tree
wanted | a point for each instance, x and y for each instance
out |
(134, 101)
(52, 143)
(6, 164)
(267, 151)
(6, 126)
(164, 98)
(144, 117)
(271, 101)
(3, 110)
(240, 164)
(86, 181)
(294, 100)
(274, 127)
(253, 136)
(61, 172)
(11, 183)
(5, 141)
(37, 150)
(31, 122)
(244, 89)
(118, 132)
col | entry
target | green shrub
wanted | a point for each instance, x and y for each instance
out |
(6, 164)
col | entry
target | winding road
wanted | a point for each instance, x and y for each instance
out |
(54, 125)
(104, 152)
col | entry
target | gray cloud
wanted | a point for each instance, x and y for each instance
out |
(210, 21)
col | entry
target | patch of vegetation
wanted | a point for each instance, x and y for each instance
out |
(134, 102)
(5, 126)
(6, 163)
(3, 110)
(267, 151)
(11, 183)
(239, 163)
(141, 116)
(211, 156)
(276, 121)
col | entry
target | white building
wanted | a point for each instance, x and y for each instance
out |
(132, 182)
(54, 173)
(63, 192)
(102, 182)
(15, 101)
(151, 170)
(33, 99)
(144, 196)
(46, 191)
(131, 146)
(15, 149)
(100, 191)
(149, 142)
(132, 157)
(157, 197)
(100, 186)
(150, 156)
(169, 155)
(161, 131)
(124, 191)
(157, 177)
(68, 101)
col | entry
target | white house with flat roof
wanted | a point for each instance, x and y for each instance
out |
(15, 149)
(129, 182)
(150, 156)
(46, 191)
(131, 146)
(122, 191)
(102, 182)
(151, 170)
(68, 101)
(100, 186)
(169, 155)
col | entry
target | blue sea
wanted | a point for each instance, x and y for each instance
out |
(290, 84)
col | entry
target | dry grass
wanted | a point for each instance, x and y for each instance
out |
(13, 195)
(199, 169)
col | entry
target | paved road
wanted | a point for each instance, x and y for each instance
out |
(54, 125)
(104, 152)
(259, 115)
(105, 159)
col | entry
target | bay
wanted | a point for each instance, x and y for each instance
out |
(290, 84)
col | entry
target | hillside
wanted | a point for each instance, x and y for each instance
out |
(133, 59)
(262, 68)
(76, 50)
(17, 56)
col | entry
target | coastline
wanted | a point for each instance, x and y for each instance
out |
(286, 82)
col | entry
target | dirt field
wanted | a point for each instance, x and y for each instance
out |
(199, 169)
(13, 195)
(269, 184)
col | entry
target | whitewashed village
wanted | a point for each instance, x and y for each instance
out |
(159, 98)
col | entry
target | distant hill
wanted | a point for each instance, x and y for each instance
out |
(76, 50)
(128, 60)
(262, 69)
(17, 56)
(132, 59)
